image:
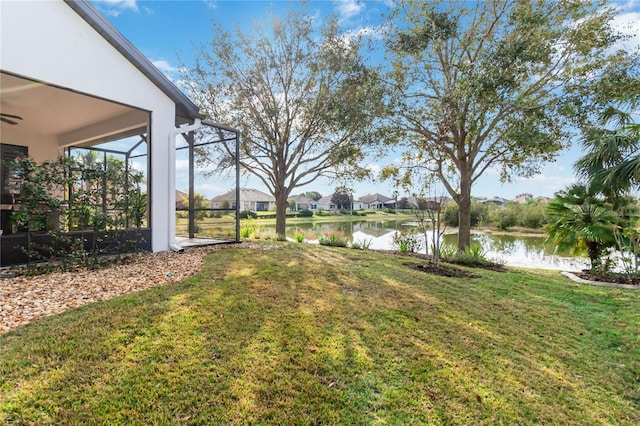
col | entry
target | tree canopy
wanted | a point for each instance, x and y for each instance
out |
(491, 84)
(342, 198)
(304, 102)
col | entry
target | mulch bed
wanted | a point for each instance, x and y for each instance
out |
(25, 299)
(441, 270)
(609, 278)
(445, 270)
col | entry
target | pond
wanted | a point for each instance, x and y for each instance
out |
(525, 251)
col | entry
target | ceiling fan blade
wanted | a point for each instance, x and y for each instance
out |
(6, 120)
(10, 115)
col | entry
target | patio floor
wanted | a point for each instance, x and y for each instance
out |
(186, 242)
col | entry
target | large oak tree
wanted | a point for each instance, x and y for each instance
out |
(303, 100)
(490, 84)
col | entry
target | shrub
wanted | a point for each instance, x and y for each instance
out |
(250, 229)
(533, 215)
(299, 238)
(406, 241)
(472, 256)
(245, 214)
(450, 214)
(446, 252)
(506, 219)
(305, 213)
(333, 239)
(361, 244)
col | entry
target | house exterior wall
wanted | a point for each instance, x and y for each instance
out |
(325, 203)
(41, 147)
(48, 41)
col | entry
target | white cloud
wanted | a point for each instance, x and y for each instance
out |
(212, 4)
(628, 24)
(347, 9)
(629, 5)
(116, 7)
(374, 168)
(164, 66)
(182, 165)
(170, 71)
(545, 184)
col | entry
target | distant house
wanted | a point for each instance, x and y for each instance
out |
(498, 201)
(314, 205)
(325, 203)
(523, 198)
(250, 199)
(303, 202)
(428, 203)
(182, 199)
(376, 202)
(358, 205)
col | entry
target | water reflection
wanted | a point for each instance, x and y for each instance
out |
(525, 251)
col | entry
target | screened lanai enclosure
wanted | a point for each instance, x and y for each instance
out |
(207, 165)
(76, 174)
(91, 199)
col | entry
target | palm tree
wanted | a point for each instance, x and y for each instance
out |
(612, 161)
(581, 220)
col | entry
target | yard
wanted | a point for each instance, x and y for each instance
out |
(291, 333)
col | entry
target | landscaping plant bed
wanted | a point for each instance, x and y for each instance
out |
(25, 299)
(609, 277)
(442, 270)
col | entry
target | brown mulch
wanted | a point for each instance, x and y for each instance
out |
(442, 270)
(25, 299)
(609, 278)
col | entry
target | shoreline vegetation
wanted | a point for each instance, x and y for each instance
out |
(300, 334)
(373, 216)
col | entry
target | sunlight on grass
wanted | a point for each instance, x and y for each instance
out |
(298, 334)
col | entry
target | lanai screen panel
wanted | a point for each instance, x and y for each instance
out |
(115, 176)
(207, 173)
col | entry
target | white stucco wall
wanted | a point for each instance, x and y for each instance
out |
(48, 41)
(41, 147)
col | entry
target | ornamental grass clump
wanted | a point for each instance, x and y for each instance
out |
(334, 239)
(250, 229)
(362, 244)
(473, 255)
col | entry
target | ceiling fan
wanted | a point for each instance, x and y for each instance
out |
(9, 118)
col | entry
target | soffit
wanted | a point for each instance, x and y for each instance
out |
(62, 113)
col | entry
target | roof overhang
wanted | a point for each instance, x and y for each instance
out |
(63, 115)
(186, 110)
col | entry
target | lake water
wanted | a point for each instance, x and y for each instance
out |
(525, 251)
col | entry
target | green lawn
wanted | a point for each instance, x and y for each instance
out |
(301, 334)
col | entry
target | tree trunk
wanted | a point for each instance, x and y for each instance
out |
(594, 254)
(281, 217)
(464, 214)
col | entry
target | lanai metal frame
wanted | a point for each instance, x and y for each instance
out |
(225, 135)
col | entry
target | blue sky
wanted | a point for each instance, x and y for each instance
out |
(170, 33)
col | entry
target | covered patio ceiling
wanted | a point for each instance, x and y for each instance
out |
(63, 115)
